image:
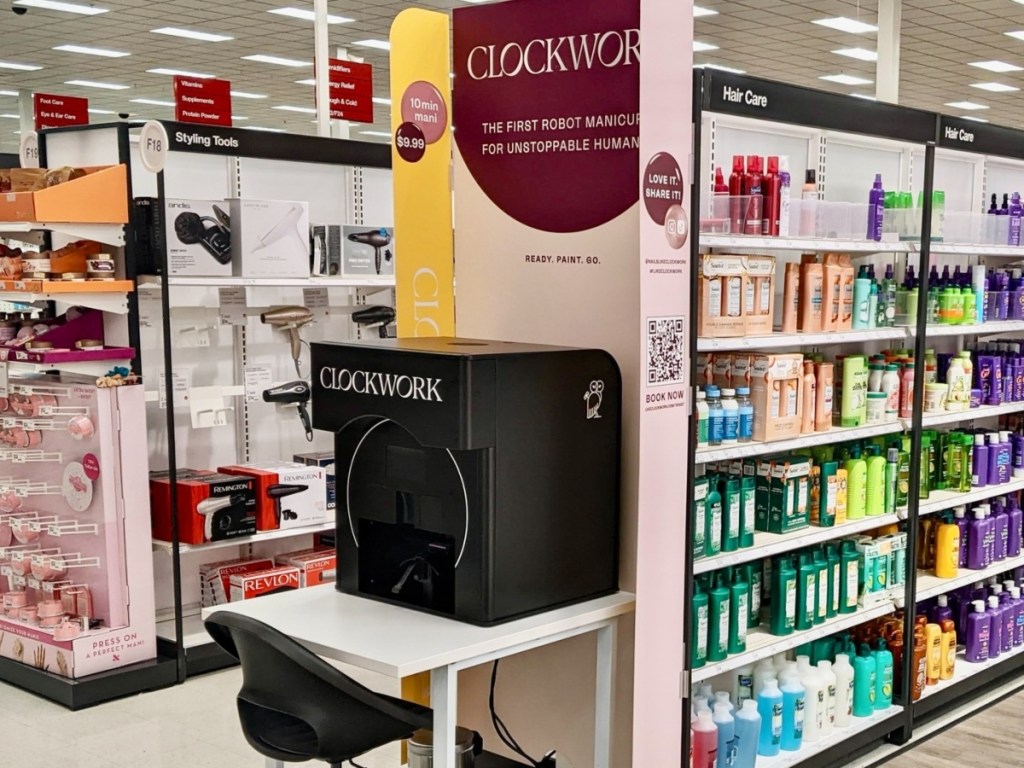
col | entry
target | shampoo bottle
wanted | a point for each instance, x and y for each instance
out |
(883, 676)
(748, 731)
(731, 513)
(770, 707)
(933, 641)
(875, 483)
(806, 598)
(947, 646)
(784, 603)
(718, 627)
(793, 702)
(947, 550)
(699, 643)
(814, 703)
(995, 627)
(979, 629)
(830, 681)
(849, 585)
(704, 737)
(739, 613)
(713, 520)
(743, 685)
(856, 486)
(726, 741)
(844, 690)
(864, 683)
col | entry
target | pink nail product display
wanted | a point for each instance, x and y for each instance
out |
(49, 608)
(16, 599)
(81, 427)
(49, 622)
(10, 501)
(49, 567)
(6, 534)
(21, 562)
(21, 528)
(68, 629)
(29, 614)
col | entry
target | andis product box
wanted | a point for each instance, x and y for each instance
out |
(270, 238)
(198, 236)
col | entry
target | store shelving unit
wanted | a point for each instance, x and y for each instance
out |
(804, 123)
(103, 145)
(333, 177)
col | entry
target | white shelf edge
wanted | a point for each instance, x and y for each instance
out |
(108, 234)
(105, 301)
(978, 329)
(777, 340)
(933, 585)
(769, 544)
(964, 670)
(971, 414)
(285, 533)
(949, 499)
(155, 282)
(194, 633)
(802, 244)
(769, 645)
(91, 368)
(834, 435)
(977, 250)
(834, 738)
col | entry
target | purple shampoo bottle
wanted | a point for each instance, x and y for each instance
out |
(1016, 211)
(1014, 528)
(979, 630)
(960, 517)
(995, 614)
(976, 552)
(876, 209)
(1001, 524)
(940, 611)
(979, 472)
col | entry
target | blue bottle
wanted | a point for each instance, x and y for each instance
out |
(726, 724)
(746, 409)
(769, 706)
(792, 713)
(716, 416)
(748, 732)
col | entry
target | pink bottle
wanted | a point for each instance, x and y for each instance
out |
(704, 740)
(907, 391)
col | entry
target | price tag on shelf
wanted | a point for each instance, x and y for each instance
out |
(257, 379)
(149, 309)
(316, 300)
(3, 380)
(181, 382)
(232, 305)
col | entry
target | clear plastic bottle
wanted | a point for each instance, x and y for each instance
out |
(731, 417)
(746, 414)
(891, 387)
(716, 416)
(703, 414)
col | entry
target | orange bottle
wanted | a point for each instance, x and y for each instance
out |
(920, 662)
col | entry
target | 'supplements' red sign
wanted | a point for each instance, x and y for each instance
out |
(53, 111)
(351, 90)
(205, 101)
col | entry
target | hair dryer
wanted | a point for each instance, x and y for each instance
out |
(211, 506)
(376, 239)
(295, 393)
(285, 228)
(376, 316)
(281, 491)
(289, 319)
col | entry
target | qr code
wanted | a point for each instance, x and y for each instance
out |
(666, 350)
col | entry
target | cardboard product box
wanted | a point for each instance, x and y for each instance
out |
(721, 370)
(721, 283)
(216, 507)
(160, 499)
(215, 578)
(326, 249)
(788, 481)
(316, 567)
(367, 251)
(742, 369)
(288, 494)
(198, 236)
(323, 459)
(776, 390)
(269, 238)
(271, 581)
(759, 295)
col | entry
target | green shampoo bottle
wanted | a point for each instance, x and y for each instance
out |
(739, 612)
(731, 513)
(849, 577)
(748, 511)
(806, 585)
(699, 642)
(821, 586)
(718, 621)
(875, 488)
(834, 571)
(713, 519)
(856, 486)
(783, 609)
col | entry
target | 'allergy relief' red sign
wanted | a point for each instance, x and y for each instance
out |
(202, 100)
(351, 90)
(52, 111)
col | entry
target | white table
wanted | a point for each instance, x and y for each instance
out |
(401, 642)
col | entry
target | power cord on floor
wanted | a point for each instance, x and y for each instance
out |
(354, 764)
(499, 726)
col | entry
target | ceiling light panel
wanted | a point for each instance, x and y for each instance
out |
(19, 67)
(94, 111)
(308, 15)
(381, 45)
(844, 79)
(8, 93)
(263, 58)
(844, 24)
(192, 34)
(180, 73)
(97, 84)
(90, 51)
(997, 66)
(54, 5)
(969, 105)
(861, 54)
(699, 11)
(247, 95)
(995, 87)
(153, 102)
(699, 47)
(304, 110)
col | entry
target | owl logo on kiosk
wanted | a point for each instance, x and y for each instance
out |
(593, 398)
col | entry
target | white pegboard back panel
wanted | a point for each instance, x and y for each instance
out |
(378, 201)
(97, 146)
(327, 188)
(850, 168)
(1003, 176)
(762, 139)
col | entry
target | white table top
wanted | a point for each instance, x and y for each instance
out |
(400, 641)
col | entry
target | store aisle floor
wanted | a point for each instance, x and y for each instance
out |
(194, 725)
(990, 736)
